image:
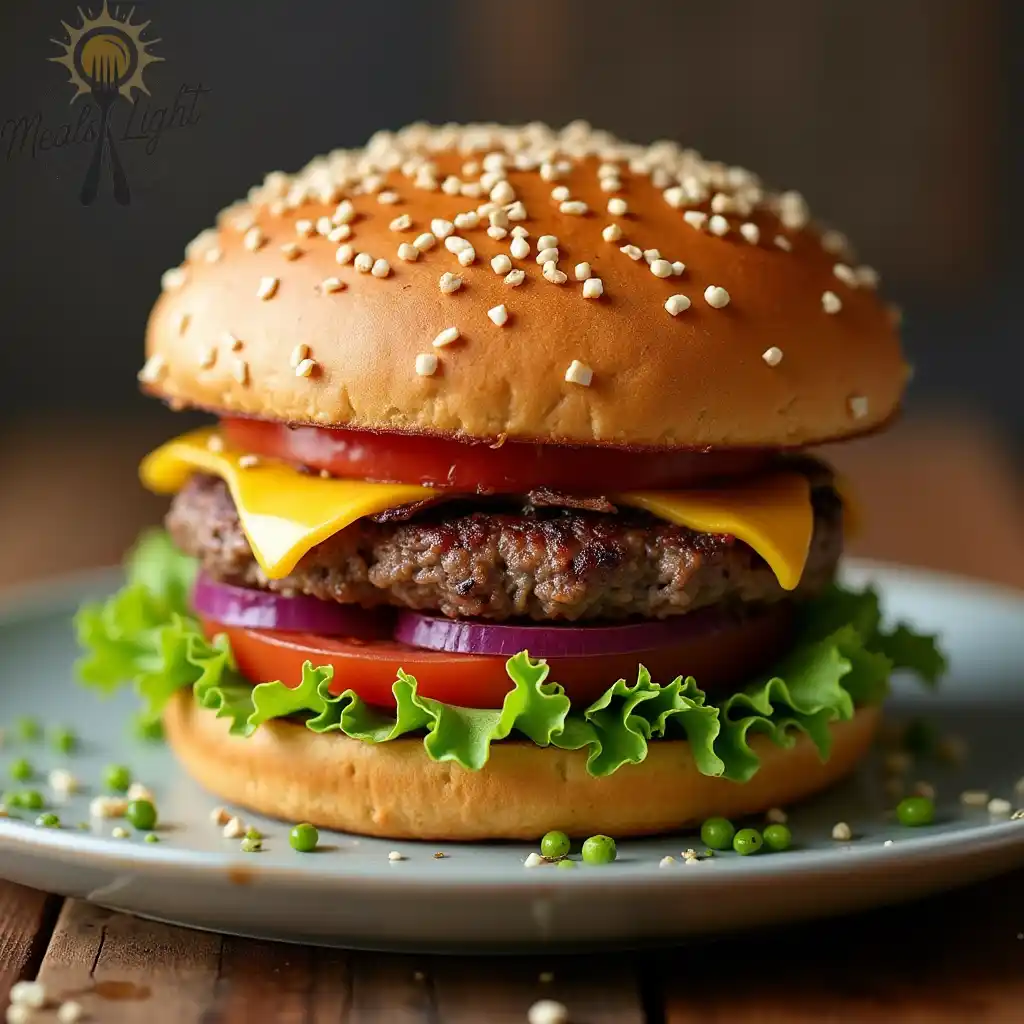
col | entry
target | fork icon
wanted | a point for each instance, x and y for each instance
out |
(104, 92)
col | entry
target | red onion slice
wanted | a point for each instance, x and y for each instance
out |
(460, 636)
(260, 609)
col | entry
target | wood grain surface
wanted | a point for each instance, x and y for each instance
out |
(938, 494)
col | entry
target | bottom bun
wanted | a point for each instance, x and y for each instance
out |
(394, 790)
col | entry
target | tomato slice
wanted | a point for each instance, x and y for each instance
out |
(515, 467)
(726, 656)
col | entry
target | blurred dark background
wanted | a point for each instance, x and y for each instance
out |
(900, 120)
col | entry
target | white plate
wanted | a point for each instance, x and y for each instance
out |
(480, 896)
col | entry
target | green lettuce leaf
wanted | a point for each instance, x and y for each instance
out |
(144, 636)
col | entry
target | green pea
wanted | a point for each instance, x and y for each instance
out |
(117, 778)
(152, 837)
(915, 810)
(921, 737)
(554, 845)
(64, 740)
(747, 841)
(777, 838)
(599, 850)
(48, 821)
(28, 729)
(21, 770)
(304, 838)
(141, 814)
(253, 833)
(30, 799)
(251, 845)
(717, 833)
(147, 729)
(565, 863)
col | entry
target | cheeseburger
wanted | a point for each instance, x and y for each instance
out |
(507, 520)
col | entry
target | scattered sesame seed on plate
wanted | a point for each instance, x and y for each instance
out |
(579, 373)
(675, 196)
(835, 242)
(292, 250)
(344, 213)
(466, 256)
(173, 279)
(388, 198)
(974, 798)
(574, 207)
(426, 364)
(634, 252)
(240, 371)
(213, 255)
(612, 233)
(305, 227)
(750, 232)
(520, 232)
(695, 218)
(716, 296)
(441, 228)
(516, 211)
(534, 860)
(547, 255)
(676, 304)
(553, 274)
(394, 855)
(617, 206)
(501, 264)
(772, 356)
(344, 254)
(858, 405)
(380, 268)
(181, 322)
(496, 233)
(661, 268)
(456, 243)
(830, 302)
(666, 862)
(408, 252)
(498, 315)
(363, 262)
(678, 267)
(581, 271)
(846, 274)
(867, 276)
(842, 832)
(402, 223)
(783, 243)
(593, 288)
(233, 343)
(997, 807)
(267, 288)
(324, 225)
(467, 221)
(718, 225)
(547, 1011)
(503, 193)
(520, 248)
(425, 241)
(449, 283)
(305, 368)
(340, 233)
(547, 242)
(776, 816)
(300, 352)
(650, 255)
(446, 337)
(560, 193)
(207, 357)
(514, 278)
(254, 239)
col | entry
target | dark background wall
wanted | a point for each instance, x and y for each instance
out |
(899, 119)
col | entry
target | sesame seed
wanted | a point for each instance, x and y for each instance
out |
(675, 196)
(716, 296)
(553, 274)
(323, 225)
(547, 1011)
(721, 203)
(858, 405)
(340, 233)
(344, 213)
(974, 798)
(426, 364)
(612, 233)
(783, 243)
(299, 353)
(547, 242)
(467, 221)
(611, 184)
(772, 356)
(213, 255)
(678, 267)
(634, 252)
(503, 193)
(666, 862)
(467, 256)
(846, 274)
(548, 171)
(248, 461)
(381, 268)
(520, 232)
(498, 315)
(534, 860)
(617, 207)
(292, 251)
(514, 278)
(267, 288)
(388, 198)
(718, 225)
(793, 211)
(450, 283)
(498, 219)
(408, 252)
(235, 827)
(403, 223)
(501, 264)
(496, 233)
(332, 284)
(593, 288)
(240, 371)
(108, 807)
(582, 271)
(425, 241)
(751, 232)
(830, 302)
(560, 193)
(207, 357)
(446, 337)
(579, 373)
(305, 228)
(363, 262)
(70, 1012)
(650, 255)
(520, 248)
(219, 816)
(305, 368)
(835, 242)
(867, 276)
(574, 207)
(345, 253)
(181, 322)
(676, 304)
(516, 211)
(394, 855)
(776, 816)
(661, 268)
(254, 239)
(842, 832)
(546, 254)
(441, 228)
(233, 343)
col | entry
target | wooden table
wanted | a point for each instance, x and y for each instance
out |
(936, 494)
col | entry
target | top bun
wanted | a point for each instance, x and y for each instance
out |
(783, 340)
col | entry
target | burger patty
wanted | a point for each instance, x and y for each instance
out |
(495, 561)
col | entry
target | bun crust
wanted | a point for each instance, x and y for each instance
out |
(393, 790)
(699, 378)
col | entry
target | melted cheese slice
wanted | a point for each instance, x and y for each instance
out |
(285, 512)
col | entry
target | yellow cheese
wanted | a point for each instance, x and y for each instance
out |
(285, 512)
(771, 513)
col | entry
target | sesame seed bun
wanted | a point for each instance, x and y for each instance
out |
(393, 789)
(783, 341)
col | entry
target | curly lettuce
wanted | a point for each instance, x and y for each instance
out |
(145, 635)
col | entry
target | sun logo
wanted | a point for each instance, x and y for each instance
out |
(105, 58)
